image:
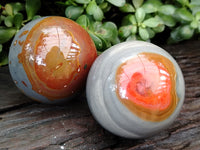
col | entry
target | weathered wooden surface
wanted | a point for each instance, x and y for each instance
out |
(25, 124)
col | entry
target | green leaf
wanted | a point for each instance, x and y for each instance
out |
(132, 19)
(18, 19)
(151, 6)
(127, 8)
(137, 3)
(125, 21)
(3, 58)
(91, 8)
(105, 43)
(182, 14)
(181, 33)
(94, 10)
(195, 2)
(174, 37)
(159, 28)
(105, 7)
(4, 13)
(32, 6)
(82, 1)
(115, 41)
(194, 24)
(99, 1)
(128, 20)
(152, 22)
(98, 15)
(197, 16)
(9, 9)
(167, 9)
(36, 17)
(156, 3)
(95, 26)
(84, 21)
(6, 34)
(17, 7)
(8, 21)
(195, 9)
(151, 33)
(186, 32)
(133, 29)
(73, 12)
(168, 20)
(97, 41)
(131, 38)
(61, 3)
(144, 34)
(118, 3)
(183, 2)
(1, 48)
(2, 17)
(68, 3)
(140, 15)
(108, 31)
(125, 31)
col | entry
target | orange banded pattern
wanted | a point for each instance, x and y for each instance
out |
(146, 85)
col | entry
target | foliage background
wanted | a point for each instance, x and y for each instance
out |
(109, 21)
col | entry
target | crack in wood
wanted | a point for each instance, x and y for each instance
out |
(16, 107)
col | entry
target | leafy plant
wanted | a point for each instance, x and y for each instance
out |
(111, 21)
(12, 19)
(141, 20)
(148, 19)
(188, 18)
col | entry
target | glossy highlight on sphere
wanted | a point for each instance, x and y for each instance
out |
(145, 85)
(52, 53)
(135, 89)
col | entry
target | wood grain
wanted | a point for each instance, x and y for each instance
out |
(25, 124)
(10, 96)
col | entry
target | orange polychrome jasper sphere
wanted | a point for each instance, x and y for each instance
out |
(50, 58)
(135, 89)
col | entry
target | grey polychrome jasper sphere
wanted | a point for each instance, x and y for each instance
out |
(135, 89)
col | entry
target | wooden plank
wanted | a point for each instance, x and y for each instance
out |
(10, 96)
(31, 125)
